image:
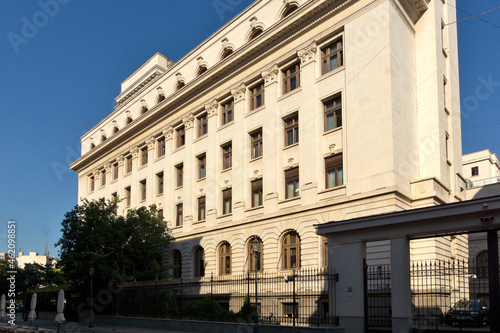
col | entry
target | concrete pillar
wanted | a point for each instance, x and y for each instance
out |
(347, 260)
(270, 146)
(308, 126)
(401, 287)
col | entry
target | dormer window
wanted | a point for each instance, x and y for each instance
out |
(201, 70)
(129, 120)
(103, 138)
(227, 53)
(115, 130)
(179, 85)
(92, 145)
(160, 98)
(144, 109)
(255, 33)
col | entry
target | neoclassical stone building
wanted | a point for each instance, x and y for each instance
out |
(294, 113)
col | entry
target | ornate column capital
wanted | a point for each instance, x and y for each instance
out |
(168, 133)
(120, 159)
(95, 173)
(188, 121)
(212, 108)
(270, 75)
(307, 54)
(239, 93)
(151, 143)
(107, 167)
(135, 152)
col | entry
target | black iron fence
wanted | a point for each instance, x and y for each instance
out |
(378, 296)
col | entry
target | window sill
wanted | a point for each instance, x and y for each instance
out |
(91, 192)
(142, 166)
(225, 216)
(199, 222)
(288, 94)
(330, 73)
(114, 181)
(178, 188)
(332, 189)
(251, 209)
(256, 159)
(176, 227)
(178, 148)
(160, 158)
(142, 200)
(102, 186)
(127, 174)
(201, 179)
(159, 194)
(446, 110)
(289, 199)
(448, 162)
(251, 112)
(225, 125)
(445, 53)
(332, 130)
(291, 146)
(227, 170)
(200, 137)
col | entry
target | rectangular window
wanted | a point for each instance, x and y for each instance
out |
(227, 156)
(114, 196)
(178, 219)
(103, 177)
(257, 96)
(128, 199)
(256, 143)
(291, 130)
(202, 125)
(159, 180)
(227, 112)
(161, 146)
(333, 113)
(201, 208)
(334, 172)
(181, 136)
(115, 171)
(291, 78)
(142, 187)
(447, 143)
(202, 166)
(290, 310)
(160, 213)
(257, 193)
(144, 156)
(292, 183)
(227, 202)
(128, 162)
(91, 184)
(474, 171)
(332, 56)
(179, 169)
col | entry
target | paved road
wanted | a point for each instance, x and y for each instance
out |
(71, 327)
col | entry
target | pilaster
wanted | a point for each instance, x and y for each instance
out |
(239, 176)
(169, 175)
(212, 179)
(190, 173)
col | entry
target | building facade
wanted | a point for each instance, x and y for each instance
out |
(32, 258)
(294, 113)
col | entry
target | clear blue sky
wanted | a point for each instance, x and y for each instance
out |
(60, 79)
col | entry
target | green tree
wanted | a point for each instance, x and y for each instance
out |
(122, 247)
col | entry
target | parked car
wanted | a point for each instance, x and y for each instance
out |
(467, 313)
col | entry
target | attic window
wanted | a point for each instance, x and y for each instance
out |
(290, 9)
(129, 120)
(115, 130)
(92, 146)
(201, 70)
(179, 85)
(256, 33)
(103, 138)
(161, 98)
(144, 110)
(227, 53)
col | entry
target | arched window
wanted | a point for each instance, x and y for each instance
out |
(199, 262)
(290, 9)
(144, 110)
(255, 33)
(227, 53)
(129, 120)
(179, 85)
(251, 255)
(115, 130)
(482, 264)
(201, 70)
(291, 250)
(92, 146)
(177, 256)
(103, 138)
(225, 259)
(160, 98)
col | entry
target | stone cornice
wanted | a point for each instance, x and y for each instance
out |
(142, 83)
(414, 8)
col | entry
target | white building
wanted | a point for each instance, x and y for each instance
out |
(294, 113)
(32, 258)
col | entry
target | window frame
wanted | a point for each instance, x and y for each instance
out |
(91, 184)
(179, 170)
(143, 188)
(335, 110)
(225, 252)
(482, 264)
(144, 156)
(202, 166)
(161, 147)
(254, 94)
(202, 208)
(115, 171)
(128, 163)
(227, 111)
(256, 142)
(202, 124)
(257, 188)
(179, 221)
(160, 182)
(251, 259)
(227, 156)
(227, 201)
(288, 76)
(292, 175)
(327, 54)
(128, 195)
(286, 246)
(180, 136)
(103, 177)
(199, 262)
(293, 127)
(334, 163)
(474, 171)
(177, 264)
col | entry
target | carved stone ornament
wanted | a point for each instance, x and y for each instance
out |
(224, 41)
(168, 133)
(253, 22)
(151, 143)
(180, 78)
(129, 114)
(135, 152)
(143, 103)
(200, 61)
(120, 160)
(96, 173)
(107, 167)
(115, 123)
(188, 121)
(270, 75)
(239, 93)
(103, 132)
(307, 55)
(212, 108)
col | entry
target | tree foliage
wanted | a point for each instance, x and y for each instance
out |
(117, 247)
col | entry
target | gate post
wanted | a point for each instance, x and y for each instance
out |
(494, 281)
(400, 285)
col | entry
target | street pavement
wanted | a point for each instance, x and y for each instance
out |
(72, 327)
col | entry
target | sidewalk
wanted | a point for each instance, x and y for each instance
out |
(72, 327)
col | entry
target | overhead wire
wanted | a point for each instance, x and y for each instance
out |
(474, 16)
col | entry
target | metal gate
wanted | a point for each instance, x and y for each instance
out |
(378, 305)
